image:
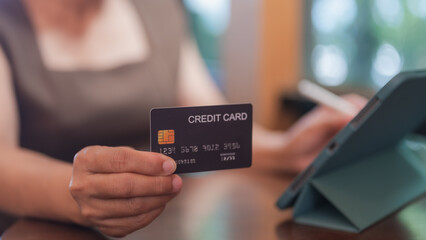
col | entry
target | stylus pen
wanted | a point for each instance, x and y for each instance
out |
(322, 96)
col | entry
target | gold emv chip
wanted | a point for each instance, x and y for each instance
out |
(166, 136)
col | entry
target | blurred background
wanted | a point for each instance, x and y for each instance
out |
(258, 50)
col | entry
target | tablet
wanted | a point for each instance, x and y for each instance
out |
(397, 109)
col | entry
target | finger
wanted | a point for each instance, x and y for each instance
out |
(120, 227)
(324, 120)
(128, 185)
(100, 209)
(299, 166)
(355, 101)
(100, 159)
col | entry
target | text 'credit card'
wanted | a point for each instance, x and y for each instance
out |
(204, 138)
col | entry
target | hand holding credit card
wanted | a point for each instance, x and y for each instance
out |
(204, 138)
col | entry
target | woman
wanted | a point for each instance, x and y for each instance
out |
(77, 76)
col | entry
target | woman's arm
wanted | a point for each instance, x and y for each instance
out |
(195, 85)
(32, 184)
(116, 189)
(8, 114)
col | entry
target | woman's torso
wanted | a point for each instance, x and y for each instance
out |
(63, 111)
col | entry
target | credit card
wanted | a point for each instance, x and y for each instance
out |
(204, 138)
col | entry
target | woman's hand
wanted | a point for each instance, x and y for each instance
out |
(294, 150)
(120, 190)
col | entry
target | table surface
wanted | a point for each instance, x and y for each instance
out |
(232, 204)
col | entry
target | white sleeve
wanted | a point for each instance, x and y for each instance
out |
(8, 109)
(195, 85)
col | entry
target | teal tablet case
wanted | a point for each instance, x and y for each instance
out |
(354, 197)
(373, 167)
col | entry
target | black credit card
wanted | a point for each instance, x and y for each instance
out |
(204, 138)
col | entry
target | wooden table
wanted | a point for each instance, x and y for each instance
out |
(232, 204)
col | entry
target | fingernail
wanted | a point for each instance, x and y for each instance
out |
(169, 166)
(177, 183)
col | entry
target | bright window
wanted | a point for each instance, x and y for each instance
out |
(363, 43)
